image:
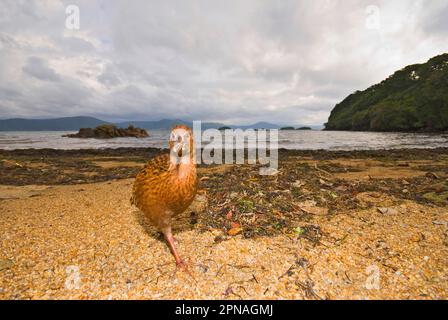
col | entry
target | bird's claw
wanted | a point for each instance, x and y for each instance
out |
(184, 267)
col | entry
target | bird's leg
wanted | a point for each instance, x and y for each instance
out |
(170, 239)
(179, 262)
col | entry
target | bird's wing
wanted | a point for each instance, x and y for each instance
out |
(151, 172)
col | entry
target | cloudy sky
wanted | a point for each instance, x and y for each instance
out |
(283, 61)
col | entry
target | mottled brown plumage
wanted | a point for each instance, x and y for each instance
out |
(166, 186)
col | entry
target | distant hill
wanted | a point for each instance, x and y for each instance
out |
(59, 124)
(414, 98)
(76, 123)
(169, 123)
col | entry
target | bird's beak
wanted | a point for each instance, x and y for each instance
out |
(177, 146)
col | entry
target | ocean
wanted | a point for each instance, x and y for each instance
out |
(295, 140)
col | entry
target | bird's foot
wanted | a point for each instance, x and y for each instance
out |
(184, 266)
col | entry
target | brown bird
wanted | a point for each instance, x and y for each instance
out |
(166, 186)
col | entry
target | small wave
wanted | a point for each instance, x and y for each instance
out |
(17, 141)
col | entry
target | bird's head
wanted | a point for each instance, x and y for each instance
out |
(181, 142)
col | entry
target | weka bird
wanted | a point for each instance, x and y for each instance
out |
(166, 186)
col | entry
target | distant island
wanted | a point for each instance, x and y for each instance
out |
(108, 131)
(293, 128)
(413, 99)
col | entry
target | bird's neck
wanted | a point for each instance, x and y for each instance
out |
(186, 170)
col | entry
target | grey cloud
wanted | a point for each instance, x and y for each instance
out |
(287, 61)
(438, 23)
(109, 78)
(9, 94)
(76, 45)
(39, 69)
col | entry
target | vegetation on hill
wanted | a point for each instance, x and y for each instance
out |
(412, 99)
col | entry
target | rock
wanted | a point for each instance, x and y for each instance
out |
(298, 184)
(109, 131)
(441, 223)
(325, 183)
(387, 211)
(342, 188)
(432, 175)
(268, 171)
(85, 133)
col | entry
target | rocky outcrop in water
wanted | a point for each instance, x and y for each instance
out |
(109, 131)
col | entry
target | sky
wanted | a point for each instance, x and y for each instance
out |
(286, 62)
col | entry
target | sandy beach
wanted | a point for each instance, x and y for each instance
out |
(329, 225)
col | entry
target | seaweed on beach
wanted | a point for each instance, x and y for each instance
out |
(67, 167)
(242, 201)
